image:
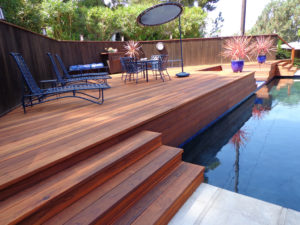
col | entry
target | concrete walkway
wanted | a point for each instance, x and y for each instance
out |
(210, 205)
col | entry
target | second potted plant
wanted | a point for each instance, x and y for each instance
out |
(261, 47)
(237, 48)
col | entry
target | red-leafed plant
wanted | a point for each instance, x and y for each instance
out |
(132, 48)
(237, 48)
(262, 46)
(239, 138)
(258, 111)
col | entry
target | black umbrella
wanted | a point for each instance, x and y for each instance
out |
(160, 14)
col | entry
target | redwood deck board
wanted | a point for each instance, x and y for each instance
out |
(162, 202)
(103, 165)
(98, 192)
(52, 131)
(113, 202)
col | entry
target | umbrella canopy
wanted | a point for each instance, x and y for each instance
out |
(160, 14)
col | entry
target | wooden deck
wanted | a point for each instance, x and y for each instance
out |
(53, 137)
(263, 72)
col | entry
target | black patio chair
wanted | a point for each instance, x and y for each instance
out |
(63, 82)
(33, 95)
(67, 75)
(123, 60)
(162, 66)
(132, 69)
(154, 65)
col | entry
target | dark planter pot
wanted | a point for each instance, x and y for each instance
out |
(237, 65)
(261, 58)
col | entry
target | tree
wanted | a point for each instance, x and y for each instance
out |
(204, 4)
(59, 17)
(25, 13)
(217, 26)
(280, 17)
(89, 3)
(67, 19)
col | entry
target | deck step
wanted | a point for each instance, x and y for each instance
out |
(285, 68)
(163, 201)
(285, 72)
(108, 201)
(48, 197)
(29, 171)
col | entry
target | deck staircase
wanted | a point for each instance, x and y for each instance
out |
(136, 181)
(285, 68)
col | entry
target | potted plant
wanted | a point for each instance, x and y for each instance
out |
(261, 47)
(132, 49)
(238, 49)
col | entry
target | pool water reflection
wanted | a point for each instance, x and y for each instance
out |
(255, 150)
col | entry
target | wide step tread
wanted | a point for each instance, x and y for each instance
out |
(80, 178)
(160, 204)
(107, 201)
(84, 202)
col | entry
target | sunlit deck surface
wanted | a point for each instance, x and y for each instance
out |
(53, 136)
(59, 128)
(263, 72)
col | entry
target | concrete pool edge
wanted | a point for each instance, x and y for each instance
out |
(211, 205)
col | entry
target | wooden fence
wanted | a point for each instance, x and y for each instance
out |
(34, 47)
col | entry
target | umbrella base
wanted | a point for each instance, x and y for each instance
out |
(182, 74)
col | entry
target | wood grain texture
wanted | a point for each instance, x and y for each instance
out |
(98, 192)
(61, 135)
(160, 204)
(53, 132)
(85, 175)
(34, 47)
(107, 208)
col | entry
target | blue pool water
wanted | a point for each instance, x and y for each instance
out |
(255, 150)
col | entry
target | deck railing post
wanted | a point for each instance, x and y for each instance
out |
(293, 56)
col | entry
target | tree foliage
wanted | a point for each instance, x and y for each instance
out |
(25, 13)
(205, 4)
(280, 17)
(217, 26)
(67, 19)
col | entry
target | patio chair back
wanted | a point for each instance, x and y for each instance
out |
(154, 65)
(123, 61)
(57, 73)
(155, 57)
(163, 62)
(27, 76)
(132, 67)
(62, 65)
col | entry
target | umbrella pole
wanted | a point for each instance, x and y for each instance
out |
(182, 74)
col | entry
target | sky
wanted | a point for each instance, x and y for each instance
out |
(231, 12)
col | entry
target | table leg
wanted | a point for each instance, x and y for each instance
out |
(147, 72)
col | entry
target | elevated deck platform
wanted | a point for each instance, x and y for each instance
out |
(263, 72)
(48, 156)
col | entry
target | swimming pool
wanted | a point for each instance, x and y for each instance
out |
(255, 149)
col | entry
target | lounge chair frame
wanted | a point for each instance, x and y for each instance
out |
(33, 95)
(64, 81)
(68, 76)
